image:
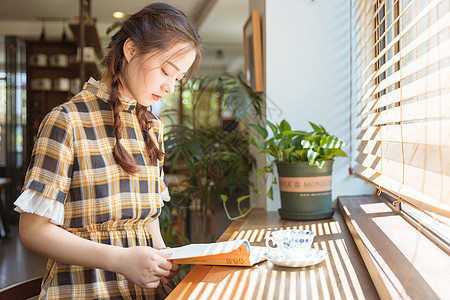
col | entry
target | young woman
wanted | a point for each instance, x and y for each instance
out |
(95, 185)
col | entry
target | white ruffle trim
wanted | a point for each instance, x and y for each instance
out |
(32, 202)
(100, 85)
(165, 196)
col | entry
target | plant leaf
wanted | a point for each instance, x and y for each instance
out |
(320, 163)
(284, 126)
(306, 144)
(287, 152)
(224, 197)
(262, 131)
(113, 26)
(271, 125)
(316, 128)
(242, 198)
(270, 193)
(299, 152)
(255, 141)
(291, 132)
(338, 152)
(312, 155)
(261, 171)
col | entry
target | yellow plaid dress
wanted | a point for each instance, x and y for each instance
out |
(73, 162)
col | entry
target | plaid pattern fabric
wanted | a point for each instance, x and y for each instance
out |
(73, 162)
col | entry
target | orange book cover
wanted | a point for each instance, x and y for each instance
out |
(231, 253)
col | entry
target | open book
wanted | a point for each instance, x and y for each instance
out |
(231, 253)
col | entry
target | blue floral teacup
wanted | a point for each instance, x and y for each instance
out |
(293, 243)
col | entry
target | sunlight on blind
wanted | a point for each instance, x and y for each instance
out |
(401, 82)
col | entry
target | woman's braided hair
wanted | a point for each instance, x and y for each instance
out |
(154, 29)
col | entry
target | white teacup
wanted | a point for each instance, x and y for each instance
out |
(293, 243)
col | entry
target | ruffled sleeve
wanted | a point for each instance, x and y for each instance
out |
(32, 202)
(163, 189)
(165, 195)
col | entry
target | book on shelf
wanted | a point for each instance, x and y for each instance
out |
(230, 253)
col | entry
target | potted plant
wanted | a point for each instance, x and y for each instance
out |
(304, 161)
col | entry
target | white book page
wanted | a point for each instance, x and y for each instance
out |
(194, 250)
(257, 254)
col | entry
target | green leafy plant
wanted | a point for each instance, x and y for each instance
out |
(291, 146)
(286, 145)
(113, 26)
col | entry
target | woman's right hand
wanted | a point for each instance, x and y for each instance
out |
(144, 266)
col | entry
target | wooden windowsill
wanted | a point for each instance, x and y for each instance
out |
(342, 275)
(403, 263)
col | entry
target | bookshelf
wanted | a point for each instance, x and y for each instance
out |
(42, 98)
(40, 101)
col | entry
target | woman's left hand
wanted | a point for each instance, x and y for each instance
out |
(174, 271)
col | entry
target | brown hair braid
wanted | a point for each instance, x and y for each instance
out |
(145, 121)
(154, 29)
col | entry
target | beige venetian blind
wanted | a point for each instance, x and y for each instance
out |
(401, 98)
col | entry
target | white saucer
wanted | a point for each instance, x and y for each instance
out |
(312, 257)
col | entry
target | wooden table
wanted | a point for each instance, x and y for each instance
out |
(4, 183)
(342, 275)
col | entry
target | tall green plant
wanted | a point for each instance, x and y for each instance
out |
(218, 161)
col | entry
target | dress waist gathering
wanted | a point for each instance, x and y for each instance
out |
(123, 233)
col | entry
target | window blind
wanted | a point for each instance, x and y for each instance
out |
(401, 98)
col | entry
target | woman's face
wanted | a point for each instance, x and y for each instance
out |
(148, 77)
